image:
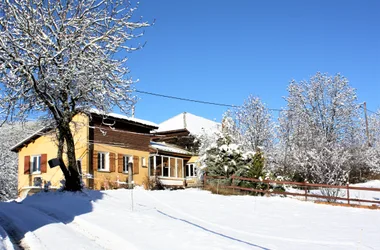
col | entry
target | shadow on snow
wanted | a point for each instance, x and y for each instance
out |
(41, 209)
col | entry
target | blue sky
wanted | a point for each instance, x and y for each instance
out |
(223, 51)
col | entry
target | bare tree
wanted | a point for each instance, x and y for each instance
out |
(319, 127)
(253, 121)
(62, 57)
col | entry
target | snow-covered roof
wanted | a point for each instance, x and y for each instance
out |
(193, 123)
(124, 117)
(162, 146)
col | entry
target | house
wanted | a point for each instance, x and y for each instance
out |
(105, 146)
(108, 144)
(175, 161)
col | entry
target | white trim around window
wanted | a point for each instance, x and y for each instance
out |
(35, 164)
(127, 159)
(143, 162)
(191, 170)
(103, 161)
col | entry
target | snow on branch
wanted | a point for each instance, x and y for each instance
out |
(56, 56)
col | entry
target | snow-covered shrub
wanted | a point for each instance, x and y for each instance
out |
(223, 158)
(331, 193)
(254, 168)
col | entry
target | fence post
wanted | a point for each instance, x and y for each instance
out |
(305, 190)
(232, 184)
(348, 193)
(204, 180)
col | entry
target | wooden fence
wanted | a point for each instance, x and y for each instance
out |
(304, 186)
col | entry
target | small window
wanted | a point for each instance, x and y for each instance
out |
(191, 170)
(165, 163)
(103, 161)
(36, 164)
(143, 162)
(127, 159)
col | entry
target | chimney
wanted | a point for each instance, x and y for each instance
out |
(184, 120)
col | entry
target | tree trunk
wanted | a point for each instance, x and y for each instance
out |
(71, 173)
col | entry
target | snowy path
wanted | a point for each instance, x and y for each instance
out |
(187, 219)
(38, 227)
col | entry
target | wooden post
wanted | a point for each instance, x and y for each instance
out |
(130, 175)
(204, 180)
(305, 190)
(232, 184)
(348, 193)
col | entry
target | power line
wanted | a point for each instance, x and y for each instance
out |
(373, 112)
(193, 100)
(186, 99)
(217, 104)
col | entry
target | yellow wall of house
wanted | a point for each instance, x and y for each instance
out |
(107, 179)
(47, 144)
(193, 159)
(42, 145)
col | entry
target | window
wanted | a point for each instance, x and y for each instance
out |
(36, 164)
(159, 165)
(191, 170)
(143, 162)
(152, 165)
(127, 159)
(103, 161)
(166, 166)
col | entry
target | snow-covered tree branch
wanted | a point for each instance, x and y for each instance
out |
(319, 127)
(58, 58)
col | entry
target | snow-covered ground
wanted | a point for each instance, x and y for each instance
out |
(183, 219)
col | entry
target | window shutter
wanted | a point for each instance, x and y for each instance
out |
(43, 163)
(27, 164)
(120, 163)
(135, 165)
(112, 162)
(95, 161)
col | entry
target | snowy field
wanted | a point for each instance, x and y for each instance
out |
(183, 219)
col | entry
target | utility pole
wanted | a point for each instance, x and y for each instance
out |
(366, 124)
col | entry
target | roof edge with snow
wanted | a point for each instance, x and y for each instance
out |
(170, 148)
(30, 138)
(124, 117)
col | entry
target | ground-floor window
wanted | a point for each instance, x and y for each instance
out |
(191, 170)
(103, 161)
(166, 166)
(36, 164)
(127, 159)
